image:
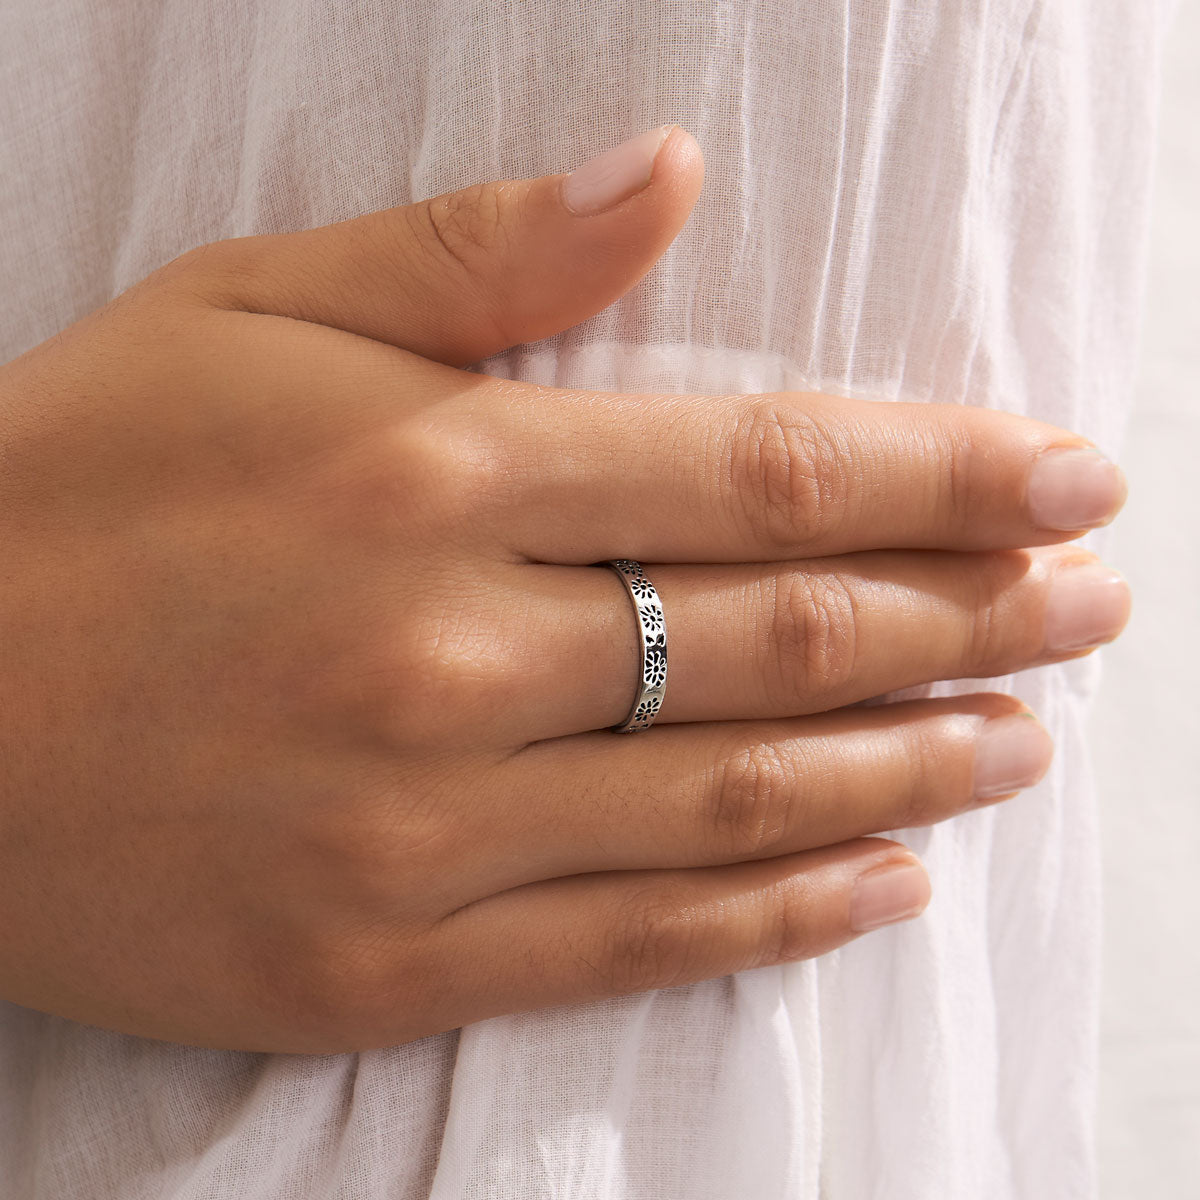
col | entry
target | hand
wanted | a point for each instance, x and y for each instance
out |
(307, 676)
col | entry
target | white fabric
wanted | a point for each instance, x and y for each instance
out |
(920, 199)
(1147, 755)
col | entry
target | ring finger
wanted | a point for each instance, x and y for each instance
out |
(707, 795)
(786, 639)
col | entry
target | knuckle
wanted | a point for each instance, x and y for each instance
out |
(472, 225)
(653, 942)
(923, 793)
(992, 641)
(367, 937)
(446, 678)
(195, 260)
(434, 474)
(426, 673)
(984, 640)
(384, 830)
(345, 967)
(226, 273)
(753, 801)
(814, 635)
(958, 488)
(472, 233)
(789, 474)
(787, 927)
(355, 974)
(441, 462)
(308, 979)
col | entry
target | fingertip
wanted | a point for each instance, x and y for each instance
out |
(896, 890)
(1074, 488)
(659, 171)
(680, 166)
(1012, 752)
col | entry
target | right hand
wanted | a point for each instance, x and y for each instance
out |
(307, 678)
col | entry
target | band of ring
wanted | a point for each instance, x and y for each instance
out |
(652, 631)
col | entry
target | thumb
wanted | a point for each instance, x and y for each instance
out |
(467, 274)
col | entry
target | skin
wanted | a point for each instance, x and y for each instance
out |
(308, 675)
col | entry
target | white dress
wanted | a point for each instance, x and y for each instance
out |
(919, 199)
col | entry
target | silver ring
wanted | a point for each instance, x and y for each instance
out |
(652, 631)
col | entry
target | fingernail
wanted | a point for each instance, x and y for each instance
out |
(1075, 489)
(1087, 604)
(614, 175)
(887, 894)
(1011, 753)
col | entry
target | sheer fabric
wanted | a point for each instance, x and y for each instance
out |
(935, 200)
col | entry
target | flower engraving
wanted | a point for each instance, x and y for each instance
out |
(654, 672)
(652, 618)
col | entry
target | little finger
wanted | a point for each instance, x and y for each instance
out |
(594, 936)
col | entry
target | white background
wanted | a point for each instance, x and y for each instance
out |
(1146, 722)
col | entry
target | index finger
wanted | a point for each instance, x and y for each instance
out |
(577, 477)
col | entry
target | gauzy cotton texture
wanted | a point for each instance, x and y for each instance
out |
(932, 200)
